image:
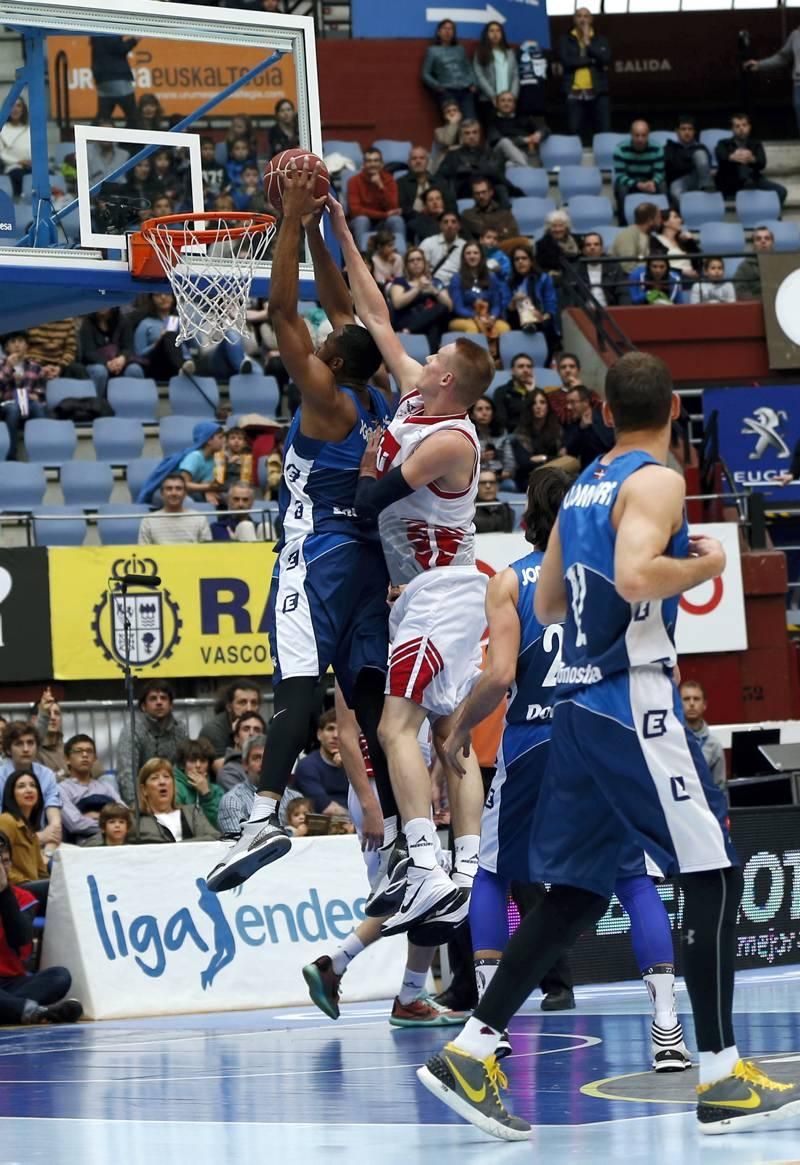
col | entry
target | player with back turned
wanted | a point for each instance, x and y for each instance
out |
(621, 765)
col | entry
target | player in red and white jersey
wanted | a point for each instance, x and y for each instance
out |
(419, 480)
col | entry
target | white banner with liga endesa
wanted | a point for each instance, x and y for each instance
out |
(142, 934)
(711, 617)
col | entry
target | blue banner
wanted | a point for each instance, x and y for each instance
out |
(521, 19)
(758, 430)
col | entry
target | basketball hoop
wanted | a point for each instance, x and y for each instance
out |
(209, 260)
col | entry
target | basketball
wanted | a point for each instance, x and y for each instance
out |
(277, 167)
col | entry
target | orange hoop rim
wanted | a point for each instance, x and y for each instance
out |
(256, 224)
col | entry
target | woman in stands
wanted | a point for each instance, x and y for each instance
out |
(285, 133)
(495, 67)
(23, 806)
(15, 146)
(679, 245)
(242, 127)
(479, 298)
(150, 114)
(654, 282)
(534, 304)
(537, 439)
(447, 72)
(105, 341)
(162, 819)
(557, 245)
(386, 262)
(420, 302)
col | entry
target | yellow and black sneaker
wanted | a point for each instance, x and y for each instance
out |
(471, 1087)
(747, 1099)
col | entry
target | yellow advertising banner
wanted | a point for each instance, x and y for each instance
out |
(183, 74)
(208, 616)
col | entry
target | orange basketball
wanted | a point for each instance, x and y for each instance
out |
(277, 167)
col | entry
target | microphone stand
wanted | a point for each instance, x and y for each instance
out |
(119, 587)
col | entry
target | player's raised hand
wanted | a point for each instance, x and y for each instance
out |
(298, 191)
(369, 460)
(338, 218)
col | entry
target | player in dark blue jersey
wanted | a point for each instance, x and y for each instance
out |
(327, 603)
(622, 766)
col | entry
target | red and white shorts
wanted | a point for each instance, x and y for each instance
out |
(435, 629)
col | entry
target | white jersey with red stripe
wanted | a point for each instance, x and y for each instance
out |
(430, 528)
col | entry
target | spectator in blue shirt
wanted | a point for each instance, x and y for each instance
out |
(320, 775)
(655, 283)
(478, 295)
(197, 467)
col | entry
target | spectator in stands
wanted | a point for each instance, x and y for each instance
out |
(114, 824)
(678, 244)
(320, 774)
(747, 276)
(496, 260)
(154, 339)
(197, 466)
(386, 263)
(240, 155)
(297, 816)
(284, 134)
(473, 159)
(22, 808)
(22, 388)
(638, 167)
(516, 136)
(495, 66)
(443, 251)
(27, 998)
(789, 54)
(47, 720)
(421, 304)
(585, 58)
(605, 277)
(157, 733)
(414, 185)
(537, 439)
(106, 346)
(194, 784)
(239, 525)
(173, 524)
(150, 113)
(140, 190)
(15, 146)
(447, 72)
(634, 242)
(487, 426)
(233, 770)
(509, 399)
(741, 161)
(568, 367)
(491, 515)
(654, 282)
(426, 225)
(236, 803)
(586, 436)
(237, 697)
(54, 345)
(373, 199)
(693, 698)
(533, 305)
(532, 69)
(103, 158)
(713, 287)
(487, 212)
(687, 162)
(113, 77)
(446, 136)
(215, 175)
(83, 795)
(479, 298)
(238, 458)
(161, 818)
(20, 745)
(249, 193)
(558, 246)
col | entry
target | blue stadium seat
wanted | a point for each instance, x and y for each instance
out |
(175, 433)
(787, 234)
(603, 146)
(710, 137)
(531, 181)
(50, 442)
(579, 180)
(609, 232)
(350, 150)
(252, 393)
(530, 213)
(463, 204)
(117, 439)
(588, 211)
(718, 237)
(22, 485)
(499, 378)
(699, 206)
(515, 343)
(5, 186)
(138, 472)
(198, 397)
(86, 483)
(133, 398)
(416, 346)
(115, 530)
(547, 378)
(561, 150)
(5, 442)
(393, 151)
(59, 525)
(60, 387)
(476, 337)
(660, 137)
(633, 200)
(753, 206)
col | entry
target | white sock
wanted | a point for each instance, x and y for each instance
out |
(421, 838)
(389, 830)
(485, 970)
(413, 985)
(343, 957)
(466, 859)
(263, 807)
(478, 1039)
(660, 983)
(717, 1065)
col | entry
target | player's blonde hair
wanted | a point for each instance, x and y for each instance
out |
(473, 369)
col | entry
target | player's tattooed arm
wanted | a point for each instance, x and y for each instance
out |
(550, 599)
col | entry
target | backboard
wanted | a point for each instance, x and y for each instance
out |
(103, 160)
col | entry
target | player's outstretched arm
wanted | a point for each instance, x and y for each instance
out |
(313, 378)
(550, 597)
(332, 291)
(648, 512)
(498, 674)
(370, 304)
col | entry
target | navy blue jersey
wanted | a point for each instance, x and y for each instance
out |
(318, 490)
(539, 652)
(603, 634)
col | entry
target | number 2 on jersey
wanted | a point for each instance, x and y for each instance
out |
(576, 577)
(551, 642)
